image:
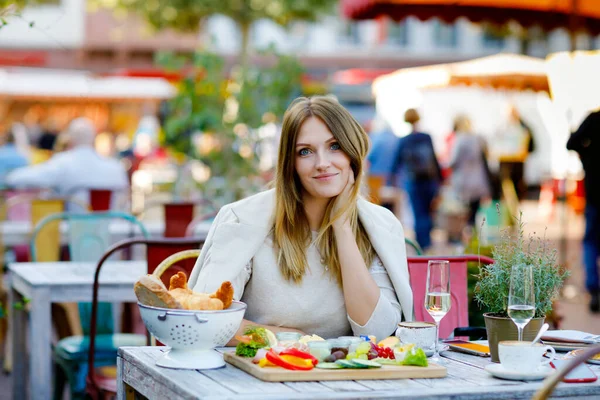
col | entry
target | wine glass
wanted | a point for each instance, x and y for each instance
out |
(437, 296)
(521, 297)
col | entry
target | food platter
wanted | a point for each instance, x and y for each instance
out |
(278, 374)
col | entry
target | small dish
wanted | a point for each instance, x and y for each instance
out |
(498, 371)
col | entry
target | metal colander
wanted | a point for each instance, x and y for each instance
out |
(191, 329)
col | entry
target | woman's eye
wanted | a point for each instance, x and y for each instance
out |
(304, 152)
(335, 146)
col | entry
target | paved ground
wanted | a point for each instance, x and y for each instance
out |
(573, 304)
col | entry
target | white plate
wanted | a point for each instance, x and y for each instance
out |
(564, 346)
(499, 371)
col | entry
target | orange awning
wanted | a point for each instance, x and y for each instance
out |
(550, 14)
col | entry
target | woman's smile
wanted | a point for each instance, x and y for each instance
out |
(326, 177)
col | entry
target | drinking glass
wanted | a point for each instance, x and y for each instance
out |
(437, 296)
(521, 296)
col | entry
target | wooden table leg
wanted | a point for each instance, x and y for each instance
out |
(18, 322)
(124, 391)
(40, 354)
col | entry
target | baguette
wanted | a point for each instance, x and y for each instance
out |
(151, 291)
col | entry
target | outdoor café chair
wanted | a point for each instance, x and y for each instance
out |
(456, 322)
(29, 205)
(88, 239)
(178, 216)
(101, 382)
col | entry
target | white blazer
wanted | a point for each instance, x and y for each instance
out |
(241, 228)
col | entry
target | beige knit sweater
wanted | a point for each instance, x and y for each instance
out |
(316, 305)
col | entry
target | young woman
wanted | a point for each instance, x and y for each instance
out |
(311, 255)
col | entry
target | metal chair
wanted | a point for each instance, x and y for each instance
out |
(101, 383)
(22, 206)
(457, 320)
(88, 238)
(550, 382)
(414, 245)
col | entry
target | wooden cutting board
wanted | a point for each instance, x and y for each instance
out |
(278, 374)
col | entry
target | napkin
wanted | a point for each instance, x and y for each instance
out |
(571, 336)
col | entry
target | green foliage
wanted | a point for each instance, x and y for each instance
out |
(186, 15)
(12, 8)
(214, 117)
(491, 291)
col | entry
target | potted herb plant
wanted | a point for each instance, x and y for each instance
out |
(492, 288)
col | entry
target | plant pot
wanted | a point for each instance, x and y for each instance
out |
(503, 328)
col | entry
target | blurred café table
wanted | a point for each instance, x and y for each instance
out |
(31, 326)
(14, 233)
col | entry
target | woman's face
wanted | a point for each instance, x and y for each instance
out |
(321, 165)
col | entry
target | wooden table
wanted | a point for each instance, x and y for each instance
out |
(13, 233)
(466, 380)
(46, 283)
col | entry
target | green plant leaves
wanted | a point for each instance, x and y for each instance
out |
(491, 290)
(214, 116)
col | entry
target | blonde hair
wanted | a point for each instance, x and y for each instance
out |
(291, 230)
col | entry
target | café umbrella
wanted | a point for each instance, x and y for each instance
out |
(574, 15)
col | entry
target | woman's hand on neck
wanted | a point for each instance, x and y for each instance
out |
(343, 223)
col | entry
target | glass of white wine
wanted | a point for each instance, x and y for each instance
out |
(521, 296)
(437, 296)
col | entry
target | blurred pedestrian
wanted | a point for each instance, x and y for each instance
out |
(384, 146)
(514, 142)
(421, 175)
(586, 142)
(10, 155)
(49, 136)
(73, 171)
(470, 175)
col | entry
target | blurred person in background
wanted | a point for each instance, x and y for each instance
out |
(470, 174)
(447, 151)
(421, 175)
(21, 137)
(384, 145)
(11, 156)
(513, 143)
(79, 167)
(49, 136)
(586, 142)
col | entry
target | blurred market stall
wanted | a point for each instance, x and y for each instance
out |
(482, 89)
(114, 103)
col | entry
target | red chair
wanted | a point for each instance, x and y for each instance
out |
(458, 316)
(101, 381)
(178, 216)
